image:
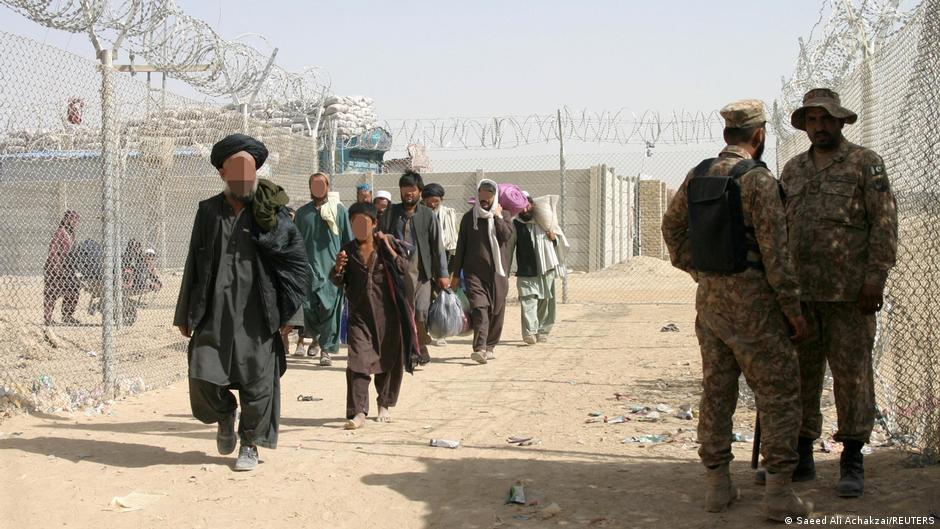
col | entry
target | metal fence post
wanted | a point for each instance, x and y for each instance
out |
(107, 231)
(561, 202)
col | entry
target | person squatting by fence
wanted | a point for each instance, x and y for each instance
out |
(246, 275)
(371, 271)
(482, 257)
(324, 225)
(59, 276)
(745, 298)
(414, 224)
(533, 250)
(843, 222)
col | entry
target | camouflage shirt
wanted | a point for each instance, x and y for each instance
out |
(843, 222)
(764, 211)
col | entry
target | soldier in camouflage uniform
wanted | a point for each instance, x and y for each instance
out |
(742, 323)
(843, 236)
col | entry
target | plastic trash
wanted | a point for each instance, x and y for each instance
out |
(737, 437)
(616, 420)
(134, 501)
(647, 439)
(553, 509)
(596, 413)
(685, 412)
(663, 408)
(516, 495)
(308, 398)
(669, 327)
(446, 315)
(445, 443)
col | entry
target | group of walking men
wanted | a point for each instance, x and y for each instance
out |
(256, 271)
(816, 248)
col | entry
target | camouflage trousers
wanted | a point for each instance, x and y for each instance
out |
(841, 334)
(750, 338)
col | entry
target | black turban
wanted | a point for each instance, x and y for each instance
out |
(432, 190)
(235, 143)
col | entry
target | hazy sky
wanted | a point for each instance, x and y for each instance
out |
(486, 58)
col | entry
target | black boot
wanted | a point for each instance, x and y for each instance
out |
(805, 467)
(851, 470)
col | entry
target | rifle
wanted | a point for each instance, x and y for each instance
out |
(755, 451)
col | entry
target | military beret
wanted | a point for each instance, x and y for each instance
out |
(744, 114)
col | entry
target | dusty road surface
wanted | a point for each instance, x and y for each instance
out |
(64, 471)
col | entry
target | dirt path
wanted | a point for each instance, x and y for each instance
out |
(64, 471)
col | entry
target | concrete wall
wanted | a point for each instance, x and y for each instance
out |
(158, 202)
(653, 204)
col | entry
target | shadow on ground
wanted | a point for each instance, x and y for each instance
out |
(471, 493)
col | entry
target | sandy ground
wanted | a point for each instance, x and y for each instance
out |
(63, 471)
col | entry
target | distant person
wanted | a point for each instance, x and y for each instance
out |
(59, 272)
(433, 197)
(382, 200)
(380, 335)
(324, 225)
(536, 262)
(245, 277)
(152, 281)
(364, 193)
(415, 225)
(483, 258)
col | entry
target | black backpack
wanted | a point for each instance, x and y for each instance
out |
(719, 238)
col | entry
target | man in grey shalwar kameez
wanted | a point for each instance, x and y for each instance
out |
(233, 295)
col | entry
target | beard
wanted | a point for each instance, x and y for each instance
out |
(526, 216)
(759, 153)
(243, 198)
(410, 202)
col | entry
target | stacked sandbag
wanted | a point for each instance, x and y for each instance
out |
(350, 115)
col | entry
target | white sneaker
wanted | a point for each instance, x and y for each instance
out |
(313, 351)
(491, 354)
(479, 357)
(439, 343)
(529, 340)
(301, 351)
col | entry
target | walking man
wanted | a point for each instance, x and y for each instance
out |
(415, 225)
(533, 249)
(244, 278)
(747, 292)
(324, 225)
(843, 236)
(483, 258)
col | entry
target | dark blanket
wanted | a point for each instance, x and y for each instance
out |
(283, 251)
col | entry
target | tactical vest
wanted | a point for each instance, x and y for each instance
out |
(720, 241)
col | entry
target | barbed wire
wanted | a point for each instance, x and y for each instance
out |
(845, 33)
(621, 127)
(184, 47)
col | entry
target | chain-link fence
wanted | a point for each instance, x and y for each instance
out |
(91, 231)
(892, 83)
(135, 183)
